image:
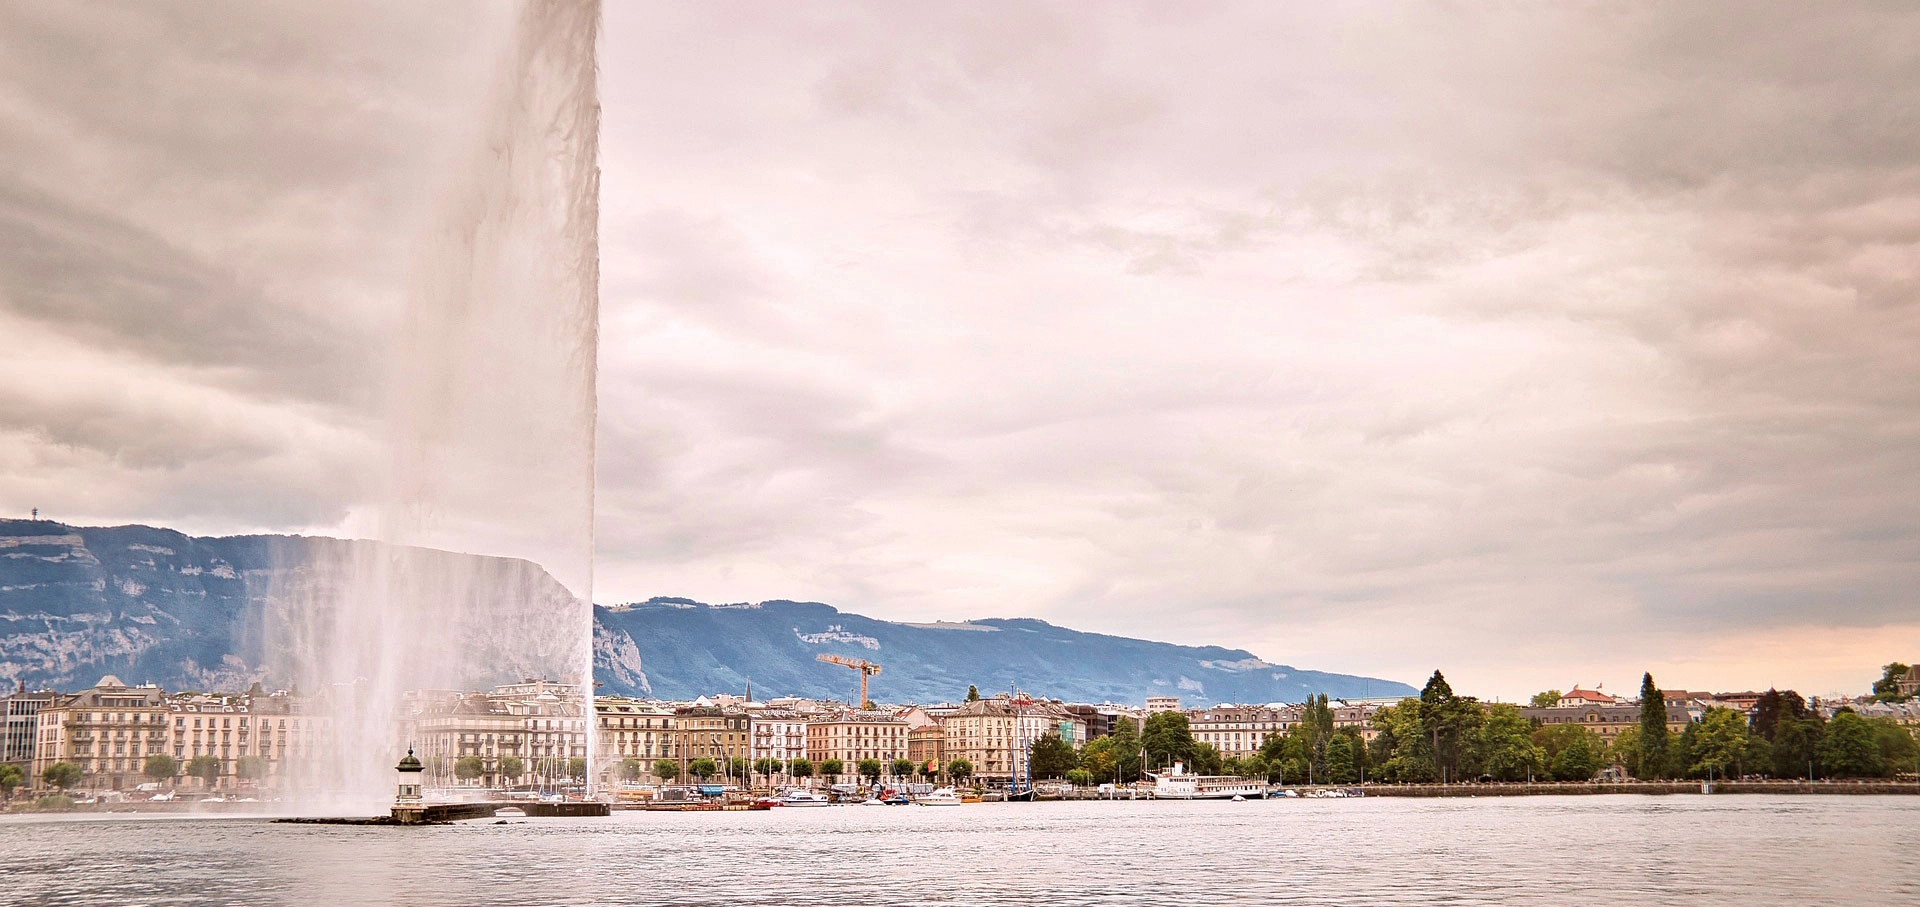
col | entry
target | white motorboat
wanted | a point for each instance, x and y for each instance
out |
(943, 796)
(803, 798)
(509, 812)
(873, 801)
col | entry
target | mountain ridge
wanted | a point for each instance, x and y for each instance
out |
(151, 604)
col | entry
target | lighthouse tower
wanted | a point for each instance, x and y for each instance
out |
(408, 806)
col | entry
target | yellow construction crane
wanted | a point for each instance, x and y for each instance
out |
(866, 668)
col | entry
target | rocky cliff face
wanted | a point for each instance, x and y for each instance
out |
(154, 605)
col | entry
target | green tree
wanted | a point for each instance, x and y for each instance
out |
(869, 769)
(737, 766)
(959, 770)
(703, 768)
(206, 768)
(973, 693)
(62, 775)
(1450, 724)
(766, 765)
(1286, 756)
(1207, 760)
(1654, 756)
(902, 768)
(1899, 752)
(1505, 747)
(1546, 699)
(469, 768)
(833, 768)
(631, 769)
(250, 768)
(666, 769)
(1051, 757)
(1847, 749)
(11, 777)
(1168, 739)
(1887, 688)
(160, 767)
(1314, 730)
(1080, 777)
(513, 767)
(1796, 747)
(1403, 751)
(1115, 757)
(1625, 750)
(1579, 758)
(1719, 744)
(577, 768)
(1341, 766)
(1774, 705)
(800, 768)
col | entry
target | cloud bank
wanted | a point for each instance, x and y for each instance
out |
(1540, 344)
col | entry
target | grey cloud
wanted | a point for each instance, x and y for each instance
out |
(1357, 336)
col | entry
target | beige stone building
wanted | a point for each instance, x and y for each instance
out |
(1238, 731)
(538, 722)
(996, 734)
(851, 736)
(631, 729)
(928, 746)
(107, 731)
(706, 730)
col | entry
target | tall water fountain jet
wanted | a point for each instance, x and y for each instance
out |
(491, 420)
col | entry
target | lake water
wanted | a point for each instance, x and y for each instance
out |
(1638, 850)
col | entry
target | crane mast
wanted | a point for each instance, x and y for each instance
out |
(866, 668)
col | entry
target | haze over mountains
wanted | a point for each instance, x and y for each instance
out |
(150, 604)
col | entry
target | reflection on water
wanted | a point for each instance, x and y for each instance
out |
(1732, 850)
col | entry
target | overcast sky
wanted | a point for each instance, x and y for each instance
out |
(1544, 344)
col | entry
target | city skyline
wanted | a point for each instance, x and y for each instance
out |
(1526, 343)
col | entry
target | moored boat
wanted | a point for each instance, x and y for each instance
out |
(802, 798)
(940, 797)
(1177, 784)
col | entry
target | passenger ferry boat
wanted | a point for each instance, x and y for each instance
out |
(1178, 785)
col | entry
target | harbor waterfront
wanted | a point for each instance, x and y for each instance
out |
(1537, 850)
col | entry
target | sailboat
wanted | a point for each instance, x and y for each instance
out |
(1015, 794)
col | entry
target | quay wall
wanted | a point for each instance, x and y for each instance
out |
(1524, 789)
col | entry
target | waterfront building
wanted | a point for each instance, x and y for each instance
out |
(856, 734)
(255, 737)
(637, 729)
(1158, 704)
(108, 731)
(538, 722)
(1239, 730)
(777, 734)
(996, 734)
(1578, 698)
(1743, 702)
(20, 710)
(707, 730)
(928, 746)
(1908, 684)
(1101, 719)
(1356, 714)
(1607, 720)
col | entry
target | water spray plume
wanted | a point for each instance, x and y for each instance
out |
(492, 408)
